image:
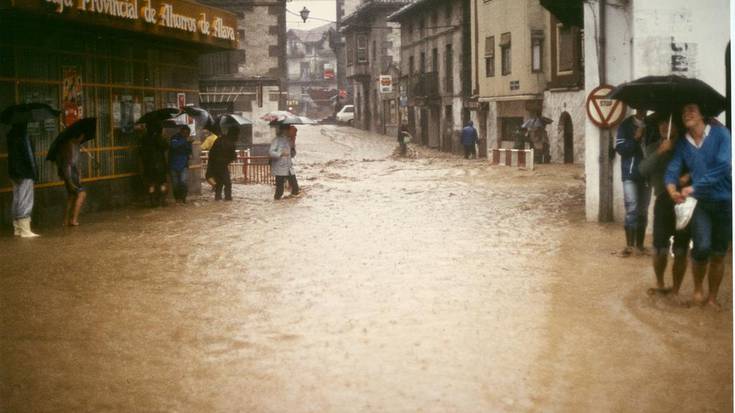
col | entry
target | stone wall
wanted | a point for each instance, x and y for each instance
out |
(262, 40)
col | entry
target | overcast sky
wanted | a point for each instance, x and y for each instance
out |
(321, 9)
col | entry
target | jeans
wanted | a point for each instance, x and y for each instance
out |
(22, 198)
(281, 180)
(711, 227)
(637, 196)
(180, 183)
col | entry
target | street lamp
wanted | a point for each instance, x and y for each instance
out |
(304, 13)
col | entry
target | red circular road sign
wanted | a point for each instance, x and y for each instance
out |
(604, 112)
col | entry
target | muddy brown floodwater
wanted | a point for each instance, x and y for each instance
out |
(430, 284)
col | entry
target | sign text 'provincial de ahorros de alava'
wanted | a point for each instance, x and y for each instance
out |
(165, 15)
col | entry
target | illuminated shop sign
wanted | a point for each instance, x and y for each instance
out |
(164, 14)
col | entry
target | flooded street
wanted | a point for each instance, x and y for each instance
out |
(430, 284)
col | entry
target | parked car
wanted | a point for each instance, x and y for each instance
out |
(346, 114)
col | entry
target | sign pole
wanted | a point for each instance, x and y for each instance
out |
(606, 114)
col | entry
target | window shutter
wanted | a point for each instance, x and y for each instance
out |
(490, 46)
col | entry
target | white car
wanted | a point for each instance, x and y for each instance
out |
(346, 115)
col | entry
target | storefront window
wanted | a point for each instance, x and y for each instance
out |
(87, 75)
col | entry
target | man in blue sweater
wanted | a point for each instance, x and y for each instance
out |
(179, 152)
(705, 152)
(469, 139)
(630, 143)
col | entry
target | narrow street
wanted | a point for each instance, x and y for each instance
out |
(429, 284)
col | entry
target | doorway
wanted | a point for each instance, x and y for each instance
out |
(565, 121)
(424, 127)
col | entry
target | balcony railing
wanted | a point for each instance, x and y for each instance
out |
(423, 85)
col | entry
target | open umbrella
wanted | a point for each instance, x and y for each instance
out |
(86, 126)
(669, 93)
(276, 115)
(230, 120)
(28, 112)
(158, 116)
(534, 123)
(202, 117)
(296, 120)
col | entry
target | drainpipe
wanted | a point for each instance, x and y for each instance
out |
(605, 208)
(476, 89)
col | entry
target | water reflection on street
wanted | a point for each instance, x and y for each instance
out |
(428, 284)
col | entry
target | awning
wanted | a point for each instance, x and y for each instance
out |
(568, 12)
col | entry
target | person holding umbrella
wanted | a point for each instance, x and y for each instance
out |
(67, 159)
(653, 167)
(22, 167)
(65, 150)
(705, 152)
(218, 165)
(22, 170)
(152, 149)
(629, 144)
(179, 152)
(282, 151)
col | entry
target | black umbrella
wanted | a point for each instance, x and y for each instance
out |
(669, 93)
(202, 117)
(232, 120)
(86, 126)
(158, 116)
(28, 112)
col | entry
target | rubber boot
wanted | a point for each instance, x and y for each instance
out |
(25, 228)
(16, 228)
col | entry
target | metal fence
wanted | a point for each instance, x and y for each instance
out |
(246, 169)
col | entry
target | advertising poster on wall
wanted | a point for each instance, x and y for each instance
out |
(116, 115)
(72, 95)
(148, 104)
(386, 84)
(126, 114)
(328, 71)
(137, 108)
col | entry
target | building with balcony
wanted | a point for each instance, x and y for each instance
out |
(564, 97)
(435, 70)
(312, 65)
(344, 8)
(372, 53)
(251, 80)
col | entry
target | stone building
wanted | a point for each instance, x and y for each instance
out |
(564, 97)
(251, 80)
(312, 65)
(344, 8)
(435, 69)
(372, 49)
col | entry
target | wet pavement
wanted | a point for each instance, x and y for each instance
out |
(428, 284)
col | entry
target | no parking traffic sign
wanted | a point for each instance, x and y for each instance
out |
(604, 112)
